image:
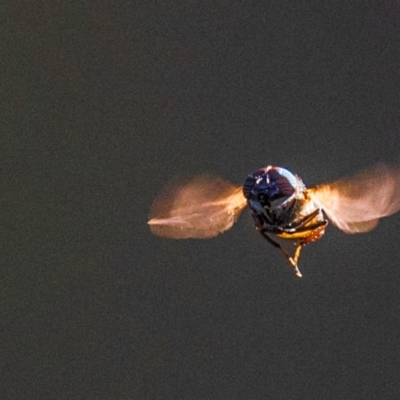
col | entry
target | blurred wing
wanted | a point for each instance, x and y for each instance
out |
(355, 204)
(200, 208)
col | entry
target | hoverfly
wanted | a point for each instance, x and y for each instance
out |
(281, 206)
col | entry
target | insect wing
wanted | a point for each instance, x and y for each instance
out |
(200, 208)
(356, 204)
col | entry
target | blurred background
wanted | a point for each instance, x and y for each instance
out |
(102, 104)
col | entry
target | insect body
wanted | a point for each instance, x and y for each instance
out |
(281, 206)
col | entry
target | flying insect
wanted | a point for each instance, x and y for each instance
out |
(282, 208)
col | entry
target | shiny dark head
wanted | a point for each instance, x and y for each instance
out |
(272, 190)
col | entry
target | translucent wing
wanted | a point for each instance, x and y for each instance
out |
(200, 208)
(355, 204)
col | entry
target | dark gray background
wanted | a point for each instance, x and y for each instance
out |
(102, 104)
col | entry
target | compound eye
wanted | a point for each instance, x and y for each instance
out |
(248, 186)
(281, 182)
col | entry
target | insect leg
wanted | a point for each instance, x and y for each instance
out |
(298, 225)
(297, 253)
(293, 262)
